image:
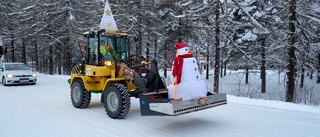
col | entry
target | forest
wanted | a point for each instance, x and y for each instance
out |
(223, 34)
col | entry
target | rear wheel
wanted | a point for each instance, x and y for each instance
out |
(116, 101)
(4, 81)
(80, 97)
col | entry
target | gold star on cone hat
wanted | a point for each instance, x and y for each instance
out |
(108, 22)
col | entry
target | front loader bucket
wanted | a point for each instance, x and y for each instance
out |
(164, 107)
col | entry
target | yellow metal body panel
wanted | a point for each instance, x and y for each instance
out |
(109, 71)
(98, 78)
(110, 32)
(131, 86)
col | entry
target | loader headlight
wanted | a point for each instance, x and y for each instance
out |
(108, 63)
(10, 75)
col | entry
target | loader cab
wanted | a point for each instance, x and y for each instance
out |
(100, 41)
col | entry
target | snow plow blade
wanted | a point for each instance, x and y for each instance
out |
(165, 107)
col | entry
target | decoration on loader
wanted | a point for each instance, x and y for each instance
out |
(187, 83)
(108, 73)
(79, 68)
(114, 54)
(126, 70)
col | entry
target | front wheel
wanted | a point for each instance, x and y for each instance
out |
(116, 101)
(4, 81)
(80, 97)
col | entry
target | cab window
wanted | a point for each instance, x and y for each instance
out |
(122, 49)
(106, 41)
(93, 47)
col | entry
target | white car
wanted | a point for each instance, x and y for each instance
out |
(16, 73)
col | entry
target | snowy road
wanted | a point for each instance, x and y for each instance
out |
(45, 110)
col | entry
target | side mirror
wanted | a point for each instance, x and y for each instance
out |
(92, 34)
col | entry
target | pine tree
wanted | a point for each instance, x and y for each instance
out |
(291, 53)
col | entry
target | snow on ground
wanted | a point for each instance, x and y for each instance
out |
(234, 84)
(45, 109)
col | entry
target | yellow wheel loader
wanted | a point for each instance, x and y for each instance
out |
(105, 70)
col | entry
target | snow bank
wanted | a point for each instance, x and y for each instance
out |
(272, 104)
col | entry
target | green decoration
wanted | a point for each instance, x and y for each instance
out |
(95, 91)
(82, 67)
(69, 81)
(114, 54)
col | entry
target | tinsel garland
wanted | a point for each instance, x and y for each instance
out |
(82, 67)
(110, 50)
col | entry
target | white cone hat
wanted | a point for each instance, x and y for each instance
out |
(108, 22)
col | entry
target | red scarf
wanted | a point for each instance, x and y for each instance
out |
(177, 66)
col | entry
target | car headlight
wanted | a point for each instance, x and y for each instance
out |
(10, 75)
(34, 75)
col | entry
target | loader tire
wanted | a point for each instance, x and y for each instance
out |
(80, 97)
(117, 101)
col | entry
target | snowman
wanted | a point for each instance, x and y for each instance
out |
(186, 81)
